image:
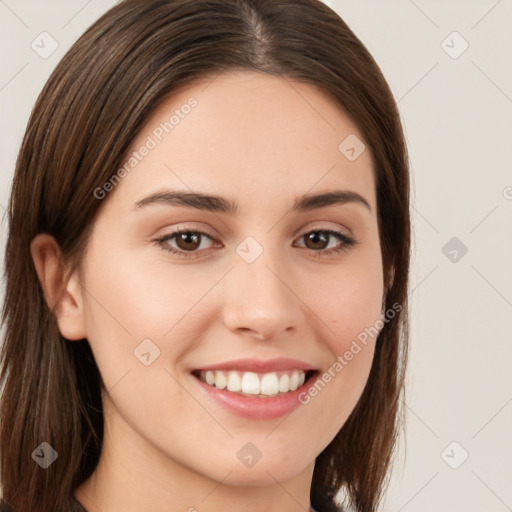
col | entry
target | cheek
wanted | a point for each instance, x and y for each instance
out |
(356, 306)
(350, 308)
(128, 301)
(347, 300)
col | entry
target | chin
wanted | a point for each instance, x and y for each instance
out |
(264, 473)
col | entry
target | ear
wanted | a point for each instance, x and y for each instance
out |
(63, 293)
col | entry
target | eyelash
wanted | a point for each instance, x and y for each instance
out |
(347, 243)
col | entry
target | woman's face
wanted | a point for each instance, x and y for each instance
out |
(264, 283)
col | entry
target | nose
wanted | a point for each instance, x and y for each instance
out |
(259, 299)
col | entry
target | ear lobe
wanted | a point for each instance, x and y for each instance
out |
(63, 293)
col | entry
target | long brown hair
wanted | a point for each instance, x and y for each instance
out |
(95, 102)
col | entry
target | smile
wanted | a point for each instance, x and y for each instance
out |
(262, 385)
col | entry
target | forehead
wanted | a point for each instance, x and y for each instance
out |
(258, 136)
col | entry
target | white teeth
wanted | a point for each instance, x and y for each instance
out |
(234, 382)
(220, 380)
(294, 381)
(269, 384)
(284, 383)
(210, 378)
(251, 383)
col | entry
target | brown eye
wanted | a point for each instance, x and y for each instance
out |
(185, 241)
(320, 242)
(189, 243)
(317, 240)
(188, 240)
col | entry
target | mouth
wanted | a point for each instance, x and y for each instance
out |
(256, 385)
(256, 389)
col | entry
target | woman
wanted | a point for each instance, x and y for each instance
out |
(207, 267)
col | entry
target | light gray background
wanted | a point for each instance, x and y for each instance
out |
(457, 115)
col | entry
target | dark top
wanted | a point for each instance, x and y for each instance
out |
(75, 506)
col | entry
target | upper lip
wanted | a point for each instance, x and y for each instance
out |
(259, 365)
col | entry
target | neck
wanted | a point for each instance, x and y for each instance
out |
(133, 475)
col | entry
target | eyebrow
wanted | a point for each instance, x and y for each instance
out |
(220, 204)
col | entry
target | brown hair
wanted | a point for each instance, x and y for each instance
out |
(95, 102)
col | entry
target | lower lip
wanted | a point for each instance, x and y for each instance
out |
(257, 408)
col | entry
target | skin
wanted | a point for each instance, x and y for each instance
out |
(262, 141)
